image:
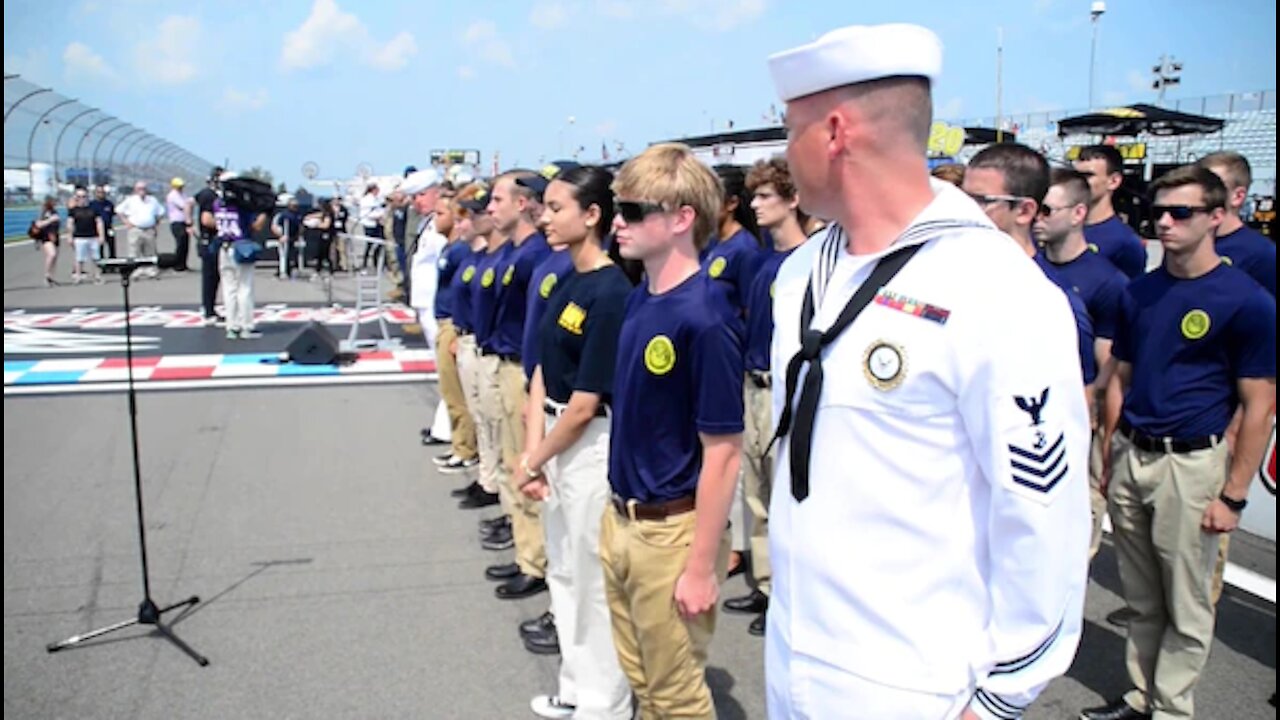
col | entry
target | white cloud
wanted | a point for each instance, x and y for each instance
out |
(618, 9)
(236, 100)
(719, 15)
(396, 53)
(466, 72)
(548, 14)
(330, 31)
(483, 38)
(80, 62)
(169, 58)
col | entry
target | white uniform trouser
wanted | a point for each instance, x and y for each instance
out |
(590, 676)
(237, 289)
(487, 443)
(804, 687)
(440, 426)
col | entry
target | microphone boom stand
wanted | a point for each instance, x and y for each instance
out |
(148, 612)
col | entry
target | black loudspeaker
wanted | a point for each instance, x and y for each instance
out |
(313, 345)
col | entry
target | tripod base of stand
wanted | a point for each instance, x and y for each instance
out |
(148, 614)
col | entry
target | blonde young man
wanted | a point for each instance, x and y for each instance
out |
(677, 435)
(929, 528)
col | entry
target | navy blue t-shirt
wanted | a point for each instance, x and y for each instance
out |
(1189, 341)
(1084, 324)
(1100, 284)
(465, 281)
(679, 373)
(555, 267)
(734, 262)
(1118, 243)
(514, 273)
(1249, 250)
(578, 333)
(447, 268)
(484, 293)
(760, 312)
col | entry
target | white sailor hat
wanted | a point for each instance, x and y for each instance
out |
(420, 180)
(855, 54)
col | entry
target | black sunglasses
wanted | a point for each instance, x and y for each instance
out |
(632, 211)
(985, 200)
(1177, 212)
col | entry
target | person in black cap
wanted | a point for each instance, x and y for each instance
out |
(204, 248)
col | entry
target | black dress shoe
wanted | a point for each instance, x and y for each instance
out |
(502, 571)
(757, 626)
(478, 499)
(738, 569)
(465, 491)
(1118, 710)
(538, 625)
(545, 644)
(496, 532)
(753, 603)
(1120, 618)
(520, 586)
(429, 439)
(499, 540)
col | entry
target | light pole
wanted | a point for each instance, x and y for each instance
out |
(1095, 13)
(42, 120)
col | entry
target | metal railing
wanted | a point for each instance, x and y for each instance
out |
(50, 138)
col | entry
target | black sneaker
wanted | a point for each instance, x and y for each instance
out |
(479, 499)
(499, 540)
(441, 460)
(487, 526)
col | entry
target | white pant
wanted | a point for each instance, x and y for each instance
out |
(488, 444)
(441, 429)
(802, 687)
(237, 289)
(590, 676)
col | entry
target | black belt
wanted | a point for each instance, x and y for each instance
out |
(463, 333)
(1150, 443)
(501, 356)
(555, 409)
(760, 378)
(653, 511)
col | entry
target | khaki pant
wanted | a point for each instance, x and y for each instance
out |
(757, 476)
(1157, 501)
(142, 243)
(663, 655)
(590, 676)
(487, 444)
(1097, 501)
(462, 428)
(502, 398)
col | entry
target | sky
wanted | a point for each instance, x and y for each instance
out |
(279, 83)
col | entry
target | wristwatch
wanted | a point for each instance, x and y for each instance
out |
(535, 474)
(1236, 506)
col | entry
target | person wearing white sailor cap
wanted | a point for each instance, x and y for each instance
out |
(929, 527)
(422, 188)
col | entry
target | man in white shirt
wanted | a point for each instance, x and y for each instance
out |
(141, 214)
(929, 524)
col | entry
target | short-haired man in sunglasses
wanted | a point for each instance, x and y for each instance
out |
(1104, 230)
(1059, 228)
(1196, 339)
(676, 438)
(1009, 182)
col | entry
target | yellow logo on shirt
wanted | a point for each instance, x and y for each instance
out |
(717, 267)
(1093, 248)
(1195, 324)
(486, 280)
(467, 274)
(572, 317)
(510, 273)
(548, 284)
(660, 355)
(772, 286)
(1226, 260)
